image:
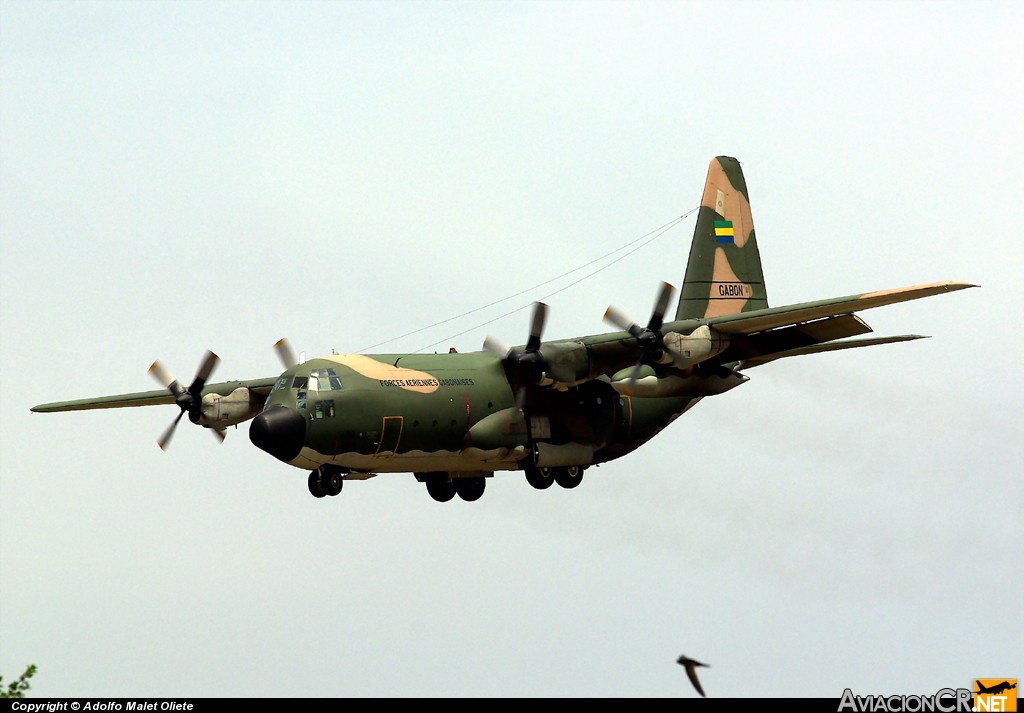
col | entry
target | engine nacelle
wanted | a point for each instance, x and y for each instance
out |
(568, 364)
(702, 343)
(648, 385)
(222, 411)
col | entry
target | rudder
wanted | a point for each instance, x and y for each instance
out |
(723, 273)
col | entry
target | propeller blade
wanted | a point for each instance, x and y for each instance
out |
(165, 437)
(220, 435)
(166, 378)
(203, 373)
(618, 319)
(657, 318)
(497, 347)
(521, 398)
(540, 316)
(285, 353)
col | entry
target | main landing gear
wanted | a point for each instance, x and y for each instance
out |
(326, 480)
(566, 476)
(443, 488)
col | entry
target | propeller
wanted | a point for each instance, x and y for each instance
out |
(528, 359)
(285, 353)
(189, 400)
(650, 338)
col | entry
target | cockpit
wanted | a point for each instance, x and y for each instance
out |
(295, 401)
(316, 380)
(311, 392)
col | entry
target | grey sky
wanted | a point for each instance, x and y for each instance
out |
(183, 176)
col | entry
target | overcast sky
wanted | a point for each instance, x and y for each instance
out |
(176, 177)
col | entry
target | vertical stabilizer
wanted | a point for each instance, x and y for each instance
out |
(723, 274)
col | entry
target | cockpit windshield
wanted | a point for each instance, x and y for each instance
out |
(324, 380)
(310, 387)
(318, 380)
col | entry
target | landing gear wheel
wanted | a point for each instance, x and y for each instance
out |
(331, 481)
(540, 478)
(569, 477)
(469, 489)
(315, 487)
(441, 489)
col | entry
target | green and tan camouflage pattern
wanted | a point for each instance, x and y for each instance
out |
(723, 274)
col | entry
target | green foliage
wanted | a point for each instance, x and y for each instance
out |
(16, 689)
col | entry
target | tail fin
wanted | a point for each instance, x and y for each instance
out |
(723, 274)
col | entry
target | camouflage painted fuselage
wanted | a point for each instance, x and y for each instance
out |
(454, 413)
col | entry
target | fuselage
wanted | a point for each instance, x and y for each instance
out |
(446, 412)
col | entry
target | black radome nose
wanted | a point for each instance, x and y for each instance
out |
(280, 431)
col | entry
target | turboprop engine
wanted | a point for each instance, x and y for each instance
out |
(683, 351)
(687, 350)
(221, 411)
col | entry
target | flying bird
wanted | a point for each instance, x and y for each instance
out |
(691, 670)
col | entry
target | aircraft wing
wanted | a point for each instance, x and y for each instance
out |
(773, 317)
(151, 398)
(760, 336)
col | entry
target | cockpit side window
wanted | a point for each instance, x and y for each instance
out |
(324, 409)
(300, 382)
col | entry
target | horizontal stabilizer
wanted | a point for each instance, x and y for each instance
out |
(830, 347)
(760, 320)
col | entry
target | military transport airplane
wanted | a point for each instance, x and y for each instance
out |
(549, 409)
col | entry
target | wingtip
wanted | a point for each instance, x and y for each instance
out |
(953, 285)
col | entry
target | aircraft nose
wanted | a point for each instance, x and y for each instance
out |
(280, 431)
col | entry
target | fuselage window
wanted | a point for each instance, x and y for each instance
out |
(328, 408)
(324, 409)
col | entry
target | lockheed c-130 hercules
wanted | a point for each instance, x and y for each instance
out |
(549, 409)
